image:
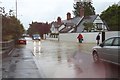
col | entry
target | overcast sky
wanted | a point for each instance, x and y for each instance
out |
(48, 10)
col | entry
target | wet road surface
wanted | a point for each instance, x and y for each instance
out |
(20, 64)
(69, 60)
(53, 59)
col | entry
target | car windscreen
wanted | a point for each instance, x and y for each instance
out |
(36, 35)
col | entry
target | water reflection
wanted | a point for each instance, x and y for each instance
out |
(37, 48)
(59, 57)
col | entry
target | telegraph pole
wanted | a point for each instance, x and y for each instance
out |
(16, 8)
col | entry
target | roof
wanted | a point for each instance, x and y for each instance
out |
(55, 24)
(70, 23)
(91, 18)
(74, 20)
(75, 23)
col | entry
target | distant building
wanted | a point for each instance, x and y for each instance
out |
(82, 1)
(76, 24)
(69, 25)
(55, 26)
(98, 24)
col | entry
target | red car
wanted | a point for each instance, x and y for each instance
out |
(22, 41)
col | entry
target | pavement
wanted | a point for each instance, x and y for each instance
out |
(21, 64)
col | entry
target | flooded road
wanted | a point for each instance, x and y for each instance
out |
(68, 60)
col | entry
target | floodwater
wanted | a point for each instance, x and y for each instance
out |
(56, 59)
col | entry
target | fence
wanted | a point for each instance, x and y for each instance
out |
(6, 46)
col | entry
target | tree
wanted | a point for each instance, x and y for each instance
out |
(88, 8)
(88, 26)
(111, 16)
(2, 10)
(39, 28)
(11, 27)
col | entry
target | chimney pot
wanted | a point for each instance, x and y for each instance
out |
(68, 16)
(59, 20)
(81, 11)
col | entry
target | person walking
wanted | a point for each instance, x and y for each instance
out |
(98, 38)
(80, 38)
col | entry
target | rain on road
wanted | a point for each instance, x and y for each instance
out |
(68, 60)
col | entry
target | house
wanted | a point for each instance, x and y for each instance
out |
(76, 24)
(97, 22)
(54, 30)
(54, 27)
(69, 25)
(65, 26)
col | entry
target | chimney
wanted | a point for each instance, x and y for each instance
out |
(59, 20)
(68, 16)
(81, 11)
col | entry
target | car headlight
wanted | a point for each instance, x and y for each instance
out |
(38, 37)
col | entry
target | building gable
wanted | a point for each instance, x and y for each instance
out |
(98, 20)
(95, 19)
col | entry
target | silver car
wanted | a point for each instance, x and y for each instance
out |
(36, 37)
(108, 51)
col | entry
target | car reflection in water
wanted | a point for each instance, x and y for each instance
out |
(37, 48)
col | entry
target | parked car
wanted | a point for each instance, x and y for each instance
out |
(108, 51)
(22, 41)
(36, 37)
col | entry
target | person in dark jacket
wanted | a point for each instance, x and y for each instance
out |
(80, 38)
(98, 38)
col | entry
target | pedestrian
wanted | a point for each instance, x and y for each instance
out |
(98, 38)
(80, 38)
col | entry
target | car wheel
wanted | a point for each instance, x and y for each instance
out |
(96, 57)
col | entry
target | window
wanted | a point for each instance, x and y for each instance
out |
(116, 42)
(108, 42)
(99, 26)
